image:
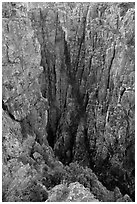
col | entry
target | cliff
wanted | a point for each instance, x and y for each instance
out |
(68, 99)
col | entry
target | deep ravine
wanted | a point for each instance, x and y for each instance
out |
(68, 98)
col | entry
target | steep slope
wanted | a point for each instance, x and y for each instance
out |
(68, 84)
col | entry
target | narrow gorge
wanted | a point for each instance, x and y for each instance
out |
(68, 100)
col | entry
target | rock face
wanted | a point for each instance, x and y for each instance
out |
(68, 81)
(24, 108)
(22, 97)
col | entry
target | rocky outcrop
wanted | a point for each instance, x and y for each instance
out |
(75, 192)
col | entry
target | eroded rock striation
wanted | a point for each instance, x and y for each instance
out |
(68, 99)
